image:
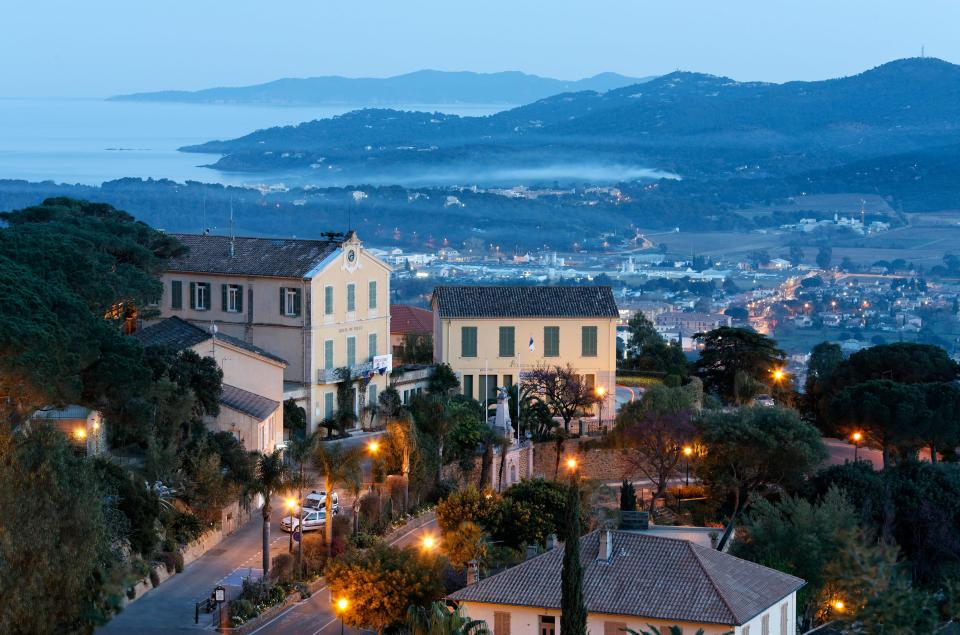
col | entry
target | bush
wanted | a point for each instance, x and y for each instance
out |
(314, 554)
(241, 610)
(154, 578)
(178, 562)
(168, 560)
(281, 570)
(186, 528)
(467, 504)
(139, 568)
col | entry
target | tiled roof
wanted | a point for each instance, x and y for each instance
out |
(520, 302)
(247, 402)
(647, 576)
(274, 257)
(179, 334)
(410, 319)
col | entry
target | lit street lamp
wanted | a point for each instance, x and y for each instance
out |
(600, 391)
(429, 543)
(342, 605)
(688, 452)
(291, 507)
(857, 437)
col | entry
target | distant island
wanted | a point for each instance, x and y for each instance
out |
(420, 87)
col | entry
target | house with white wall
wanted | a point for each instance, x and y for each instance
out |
(634, 580)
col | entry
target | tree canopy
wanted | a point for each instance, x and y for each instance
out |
(727, 350)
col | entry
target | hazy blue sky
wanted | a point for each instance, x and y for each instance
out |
(103, 47)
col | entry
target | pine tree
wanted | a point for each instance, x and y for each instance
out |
(628, 497)
(573, 612)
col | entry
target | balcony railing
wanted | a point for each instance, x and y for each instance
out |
(332, 376)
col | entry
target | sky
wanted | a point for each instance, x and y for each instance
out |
(65, 48)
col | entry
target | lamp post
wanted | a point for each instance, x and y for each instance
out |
(572, 467)
(687, 453)
(429, 543)
(600, 391)
(342, 605)
(856, 437)
(291, 507)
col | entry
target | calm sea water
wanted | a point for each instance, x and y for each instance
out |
(90, 141)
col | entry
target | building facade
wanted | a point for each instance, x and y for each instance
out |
(491, 335)
(321, 305)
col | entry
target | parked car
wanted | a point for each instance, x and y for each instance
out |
(765, 401)
(318, 500)
(312, 519)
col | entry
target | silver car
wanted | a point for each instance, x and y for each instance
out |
(312, 519)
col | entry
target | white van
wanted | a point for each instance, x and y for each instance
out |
(318, 500)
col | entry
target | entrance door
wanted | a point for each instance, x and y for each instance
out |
(548, 625)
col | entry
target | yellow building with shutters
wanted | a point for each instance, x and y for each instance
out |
(490, 335)
(318, 304)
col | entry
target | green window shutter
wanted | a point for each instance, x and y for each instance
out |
(328, 300)
(468, 385)
(589, 341)
(507, 341)
(372, 300)
(551, 341)
(193, 295)
(176, 294)
(468, 341)
(239, 298)
(372, 343)
(351, 298)
(283, 297)
(296, 302)
(351, 351)
(372, 395)
(223, 298)
(328, 405)
(328, 354)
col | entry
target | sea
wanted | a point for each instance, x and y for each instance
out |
(89, 141)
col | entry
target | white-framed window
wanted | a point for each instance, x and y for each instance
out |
(234, 298)
(290, 302)
(201, 296)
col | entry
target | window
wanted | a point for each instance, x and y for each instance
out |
(200, 296)
(328, 354)
(372, 345)
(746, 630)
(548, 625)
(784, 617)
(372, 295)
(765, 624)
(615, 628)
(289, 302)
(589, 341)
(507, 341)
(467, 382)
(508, 380)
(488, 390)
(327, 405)
(328, 300)
(501, 623)
(176, 294)
(351, 351)
(372, 395)
(468, 341)
(351, 298)
(551, 341)
(231, 298)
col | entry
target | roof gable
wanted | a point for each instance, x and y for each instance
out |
(178, 334)
(647, 576)
(524, 302)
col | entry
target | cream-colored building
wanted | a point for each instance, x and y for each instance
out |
(251, 402)
(318, 304)
(491, 335)
(633, 580)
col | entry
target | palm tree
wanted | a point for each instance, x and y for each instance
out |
(270, 477)
(298, 454)
(338, 465)
(438, 619)
(402, 436)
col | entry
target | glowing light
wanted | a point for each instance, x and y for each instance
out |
(373, 446)
(778, 374)
(80, 434)
(291, 504)
(428, 543)
(571, 463)
(856, 436)
(343, 604)
(838, 605)
(601, 391)
(687, 450)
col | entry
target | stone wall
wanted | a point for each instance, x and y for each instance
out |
(597, 464)
(521, 456)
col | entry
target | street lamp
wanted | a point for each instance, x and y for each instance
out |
(688, 452)
(373, 447)
(838, 605)
(342, 605)
(428, 543)
(600, 391)
(291, 507)
(778, 375)
(857, 437)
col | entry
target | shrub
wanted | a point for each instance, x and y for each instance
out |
(139, 568)
(178, 562)
(168, 560)
(467, 504)
(241, 610)
(314, 554)
(131, 593)
(186, 528)
(281, 570)
(154, 578)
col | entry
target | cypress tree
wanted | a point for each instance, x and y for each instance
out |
(573, 612)
(628, 497)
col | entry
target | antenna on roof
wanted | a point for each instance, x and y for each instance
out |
(232, 237)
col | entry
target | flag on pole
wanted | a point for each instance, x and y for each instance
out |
(531, 344)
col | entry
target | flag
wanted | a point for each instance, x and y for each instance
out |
(531, 344)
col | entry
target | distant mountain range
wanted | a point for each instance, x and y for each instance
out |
(420, 87)
(695, 125)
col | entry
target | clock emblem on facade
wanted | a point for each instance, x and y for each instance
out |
(351, 255)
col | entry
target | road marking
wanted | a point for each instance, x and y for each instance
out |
(324, 626)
